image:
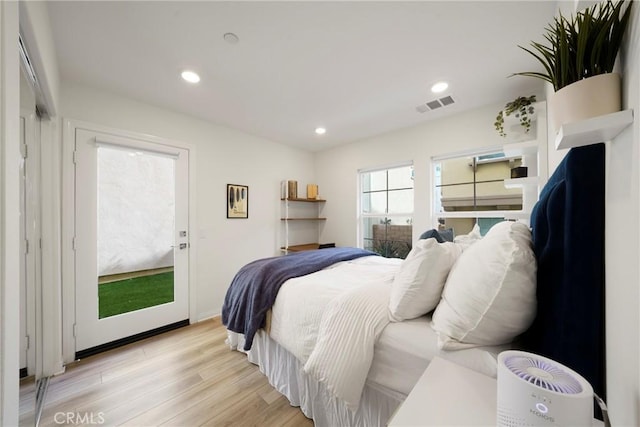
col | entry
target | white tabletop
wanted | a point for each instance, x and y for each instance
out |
(449, 395)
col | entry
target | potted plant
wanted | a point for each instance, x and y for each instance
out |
(522, 110)
(578, 61)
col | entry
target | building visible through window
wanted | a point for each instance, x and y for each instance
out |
(471, 190)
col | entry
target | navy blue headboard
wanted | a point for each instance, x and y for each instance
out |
(568, 235)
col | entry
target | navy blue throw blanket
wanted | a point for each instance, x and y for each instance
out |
(568, 240)
(255, 287)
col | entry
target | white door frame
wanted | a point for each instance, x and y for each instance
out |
(68, 221)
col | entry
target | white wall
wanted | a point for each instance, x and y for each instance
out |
(622, 240)
(337, 169)
(9, 214)
(554, 156)
(36, 30)
(223, 156)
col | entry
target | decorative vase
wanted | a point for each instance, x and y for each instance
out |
(584, 99)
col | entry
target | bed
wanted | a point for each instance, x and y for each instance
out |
(347, 342)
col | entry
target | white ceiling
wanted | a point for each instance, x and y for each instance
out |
(357, 68)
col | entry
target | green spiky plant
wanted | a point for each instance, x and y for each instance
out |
(521, 108)
(581, 46)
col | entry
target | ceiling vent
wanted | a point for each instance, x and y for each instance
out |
(435, 104)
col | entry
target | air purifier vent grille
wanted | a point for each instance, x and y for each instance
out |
(543, 374)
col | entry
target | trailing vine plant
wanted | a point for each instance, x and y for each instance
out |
(521, 108)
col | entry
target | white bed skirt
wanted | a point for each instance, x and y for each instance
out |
(286, 374)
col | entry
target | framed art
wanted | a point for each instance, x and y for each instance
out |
(237, 201)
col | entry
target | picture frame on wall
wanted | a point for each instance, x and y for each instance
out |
(237, 201)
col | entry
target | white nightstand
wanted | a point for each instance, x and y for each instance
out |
(449, 395)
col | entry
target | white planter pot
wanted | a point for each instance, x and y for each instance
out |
(514, 130)
(584, 99)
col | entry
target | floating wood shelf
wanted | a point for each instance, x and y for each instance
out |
(594, 130)
(304, 200)
(300, 248)
(304, 219)
(306, 214)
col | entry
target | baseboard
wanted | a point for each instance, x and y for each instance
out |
(128, 340)
(207, 315)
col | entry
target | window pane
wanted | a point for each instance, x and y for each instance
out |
(390, 237)
(374, 202)
(374, 181)
(458, 225)
(486, 223)
(455, 189)
(493, 196)
(465, 225)
(495, 170)
(135, 227)
(367, 229)
(401, 177)
(386, 233)
(456, 198)
(400, 201)
(456, 171)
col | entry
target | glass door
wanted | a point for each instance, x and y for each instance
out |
(131, 237)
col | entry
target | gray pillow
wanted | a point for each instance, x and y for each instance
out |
(440, 236)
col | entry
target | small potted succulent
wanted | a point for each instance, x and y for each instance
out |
(521, 109)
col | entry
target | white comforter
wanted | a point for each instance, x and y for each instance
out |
(330, 321)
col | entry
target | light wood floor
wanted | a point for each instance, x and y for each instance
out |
(186, 377)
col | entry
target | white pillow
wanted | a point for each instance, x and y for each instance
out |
(490, 295)
(466, 240)
(418, 284)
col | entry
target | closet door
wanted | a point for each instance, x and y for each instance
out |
(29, 240)
(131, 242)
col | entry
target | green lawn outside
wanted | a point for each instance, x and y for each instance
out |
(128, 295)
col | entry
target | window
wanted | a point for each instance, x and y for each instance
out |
(386, 210)
(471, 190)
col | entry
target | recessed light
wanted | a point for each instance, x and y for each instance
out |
(321, 131)
(231, 38)
(190, 76)
(439, 87)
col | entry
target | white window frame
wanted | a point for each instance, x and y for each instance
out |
(519, 215)
(434, 194)
(361, 215)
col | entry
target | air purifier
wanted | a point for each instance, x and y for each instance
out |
(537, 391)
